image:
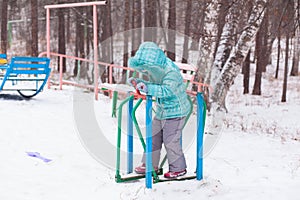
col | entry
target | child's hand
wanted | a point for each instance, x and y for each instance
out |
(132, 81)
(142, 87)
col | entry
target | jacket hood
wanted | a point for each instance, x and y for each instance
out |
(150, 60)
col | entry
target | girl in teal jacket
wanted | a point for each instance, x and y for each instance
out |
(172, 106)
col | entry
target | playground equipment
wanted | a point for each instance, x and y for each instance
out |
(147, 146)
(95, 33)
(27, 75)
(188, 72)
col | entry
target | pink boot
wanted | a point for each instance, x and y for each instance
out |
(175, 174)
(142, 169)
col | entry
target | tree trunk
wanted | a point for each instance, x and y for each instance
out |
(126, 37)
(208, 42)
(34, 28)
(110, 34)
(136, 34)
(296, 54)
(259, 63)
(286, 66)
(264, 47)
(278, 54)
(4, 8)
(106, 40)
(61, 36)
(233, 65)
(261, 59)
(126, 33)
(150, 20)
(80, 38)
(188, 10)
(224, 16)
(225, 44)
(77, 63)
(171, 45)
(197, 23)
(246, 72)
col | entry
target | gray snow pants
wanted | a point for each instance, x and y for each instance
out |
(169, 132)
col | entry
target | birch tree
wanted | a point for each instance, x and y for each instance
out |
(226, 43)
(233, 64)
(208, 42)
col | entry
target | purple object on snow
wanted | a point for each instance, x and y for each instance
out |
(38, 155)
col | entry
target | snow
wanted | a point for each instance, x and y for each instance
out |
(256, 157)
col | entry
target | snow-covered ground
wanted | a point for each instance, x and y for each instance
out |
(257, 156)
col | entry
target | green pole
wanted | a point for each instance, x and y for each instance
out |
(118, 176)
(139, 132)
(114, 104)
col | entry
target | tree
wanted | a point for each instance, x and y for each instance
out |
(288, 22)
(282, 9)
(61, 36)
(171, 48)
(79, 44)
(238, 53)
(226, 43)
(150, 20)
(197, 21)
(136, 25)
(34, 28)
(286, 63)
(296, 54)
(260, 46)
(4, 9)
(126, 32)
(246, 73)
(208, 42)
(187, 31)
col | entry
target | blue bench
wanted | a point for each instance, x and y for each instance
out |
(25, 69)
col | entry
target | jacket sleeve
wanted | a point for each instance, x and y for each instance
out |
(167, 88)
(138, 80)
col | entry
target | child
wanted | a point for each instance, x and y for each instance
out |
(166, 84)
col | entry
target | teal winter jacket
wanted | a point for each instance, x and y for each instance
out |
(165, 81)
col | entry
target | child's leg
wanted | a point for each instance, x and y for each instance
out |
(156, 141)
(172, 131)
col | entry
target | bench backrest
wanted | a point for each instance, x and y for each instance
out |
(3, 60)
(29, 65)
(187, 71)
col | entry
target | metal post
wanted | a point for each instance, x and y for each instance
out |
(95, 27)
(148, 141)
(200, 132)
(118, 176)
(130, 137)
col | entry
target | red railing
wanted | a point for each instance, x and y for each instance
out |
(96, 88)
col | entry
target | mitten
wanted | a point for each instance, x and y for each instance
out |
(142, 87)
(132, 81)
